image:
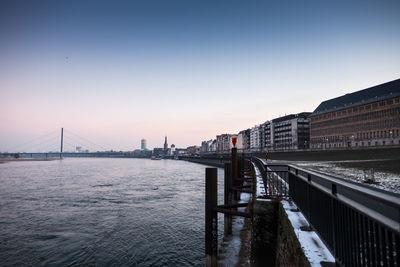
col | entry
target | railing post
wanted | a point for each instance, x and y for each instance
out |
(211, 217)
(228, 199)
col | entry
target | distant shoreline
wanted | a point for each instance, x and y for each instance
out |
(4, 160)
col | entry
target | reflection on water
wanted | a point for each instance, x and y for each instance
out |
(102, 212)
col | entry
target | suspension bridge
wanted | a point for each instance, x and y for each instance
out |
(59, 144)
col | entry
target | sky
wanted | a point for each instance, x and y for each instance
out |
(114, 72)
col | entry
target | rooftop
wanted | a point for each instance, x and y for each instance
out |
(292, 116)
(368, 95)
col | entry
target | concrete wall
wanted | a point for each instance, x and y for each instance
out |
(274, 242)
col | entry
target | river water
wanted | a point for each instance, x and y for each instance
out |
(103, 212)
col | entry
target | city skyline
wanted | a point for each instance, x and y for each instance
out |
(117, 73)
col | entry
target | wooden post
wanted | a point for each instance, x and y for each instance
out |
(228, 199)
(211, 217)
(235, 175)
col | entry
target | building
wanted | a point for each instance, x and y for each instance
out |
(206, 146)
(180, 151)
(158, 152)
(213, 147)
(223, 143)
(366, 118)
(267, 133)
(243, 143)
(143, 144)
(165, 144)
(291, 132)
(141, 153)
(192, 150)
(172, 149)
(255, 138)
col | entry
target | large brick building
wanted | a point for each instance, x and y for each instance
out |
(366, 118)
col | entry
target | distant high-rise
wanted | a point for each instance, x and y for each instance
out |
(165, 144)
(143, 144)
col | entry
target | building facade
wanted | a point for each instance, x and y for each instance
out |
(223, 142)
(366, 118)
(255, 138)
(243, 142)
(291, 132)
(143, 144)
(267, 136)
(192, 150)
(206, 146)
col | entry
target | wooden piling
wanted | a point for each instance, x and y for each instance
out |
(228, 198)
(235, 172)
(211, 217)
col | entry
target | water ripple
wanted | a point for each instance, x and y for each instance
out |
(102, 212)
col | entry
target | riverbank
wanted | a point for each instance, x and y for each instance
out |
(4, 160)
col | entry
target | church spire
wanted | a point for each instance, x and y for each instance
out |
(165, 144)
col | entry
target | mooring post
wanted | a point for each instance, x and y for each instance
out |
(211, 217)
(235, 175)
(227, 198)
(239, 176)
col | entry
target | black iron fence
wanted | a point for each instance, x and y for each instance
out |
(275, 178)
(358, 223)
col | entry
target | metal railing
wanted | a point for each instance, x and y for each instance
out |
(275, 178)
(358, 223)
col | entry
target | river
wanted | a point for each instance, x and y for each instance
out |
(103, 212)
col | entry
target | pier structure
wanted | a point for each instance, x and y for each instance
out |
(238, 177)
(356, 224)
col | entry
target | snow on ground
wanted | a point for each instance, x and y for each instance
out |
(313, 247)
(260, 184)
(387, 181)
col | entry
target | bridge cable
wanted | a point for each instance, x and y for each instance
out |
(30, 142)
(85, 139)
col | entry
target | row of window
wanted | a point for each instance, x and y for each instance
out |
(393, 112)
(369, 143)
(378, 134)
(357, 109)
(360, 136)
(359, 127)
